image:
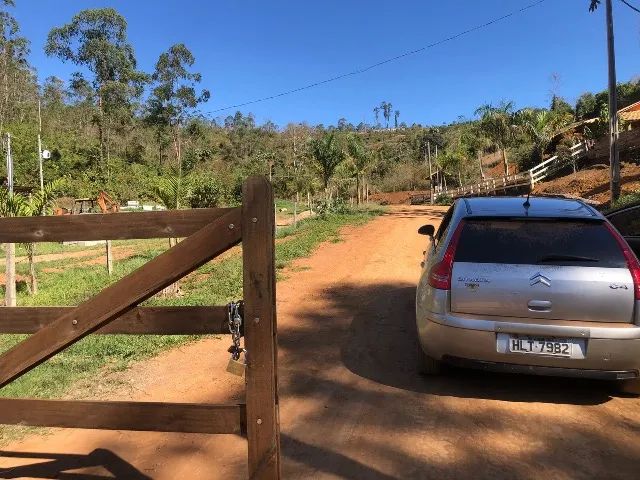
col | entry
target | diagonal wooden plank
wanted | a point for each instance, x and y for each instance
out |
(122, 296)
(137, 416)
(174, 320)
(108, 226)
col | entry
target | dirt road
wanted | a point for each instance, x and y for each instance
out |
(353, 406)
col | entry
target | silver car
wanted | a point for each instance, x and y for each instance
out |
(541, 285)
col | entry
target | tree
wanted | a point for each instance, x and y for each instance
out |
(14, 71)
(326, 155)
(497, 124)
(593, 5)
(174, 97)
(18, 205)
(386, 112)
(37, 204)
(587, 106)
(376, 112)
(540, 127)
(560, 106)
(396, 115)
(172, 191)
(360, 159)
(97, 40)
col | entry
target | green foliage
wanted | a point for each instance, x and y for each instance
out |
(627, 199)
(172, 191)
(208, 192)
(444, 200)
(331, 207)
(174, 97)
(326, 155)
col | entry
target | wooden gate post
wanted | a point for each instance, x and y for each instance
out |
(258, 251)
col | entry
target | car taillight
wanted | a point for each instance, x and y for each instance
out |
(632, 260)
(440, 273)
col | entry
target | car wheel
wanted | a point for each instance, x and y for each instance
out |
(428, 365)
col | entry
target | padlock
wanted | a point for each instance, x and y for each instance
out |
(236, 367)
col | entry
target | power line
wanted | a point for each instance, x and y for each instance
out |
(630, 6)
(383, 62)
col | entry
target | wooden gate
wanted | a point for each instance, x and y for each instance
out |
(115, 309)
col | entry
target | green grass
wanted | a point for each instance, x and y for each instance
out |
(49, 248)
(216, 283)
(288, 204)
(627, 199)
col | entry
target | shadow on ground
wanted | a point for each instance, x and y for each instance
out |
(471, 424)
(100, 464)
(381, 345)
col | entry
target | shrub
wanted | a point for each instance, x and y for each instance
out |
(337, 206)
(444, 200)
(207, 192)
(627, 199)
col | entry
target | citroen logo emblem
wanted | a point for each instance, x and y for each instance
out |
(539, 278)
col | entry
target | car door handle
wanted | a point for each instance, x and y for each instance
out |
(539, 305)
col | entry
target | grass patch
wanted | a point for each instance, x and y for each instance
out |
(625, 200)
(288, 205)
(217, 283)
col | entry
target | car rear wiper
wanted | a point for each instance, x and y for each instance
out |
(566, 258)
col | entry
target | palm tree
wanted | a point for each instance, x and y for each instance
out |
(386, 111)
(171, 191)
(9, 207)
(376, 111)
(475, 144)
(541, 126)
(396, 114)
(326, 155)
(37, 204)
(360, 159)
(497, 124)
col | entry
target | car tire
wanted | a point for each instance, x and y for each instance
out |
(428, 365)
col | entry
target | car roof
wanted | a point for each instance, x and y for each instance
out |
(539, 207)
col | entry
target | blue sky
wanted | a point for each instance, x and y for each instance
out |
(251, 49)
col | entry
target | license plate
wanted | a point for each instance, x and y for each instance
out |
(545, 346)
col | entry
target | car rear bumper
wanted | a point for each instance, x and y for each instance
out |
(536, 370)
(612, 358)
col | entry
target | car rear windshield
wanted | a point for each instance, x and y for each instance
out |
(539, 242)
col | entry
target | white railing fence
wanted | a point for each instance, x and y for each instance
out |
(530, 177)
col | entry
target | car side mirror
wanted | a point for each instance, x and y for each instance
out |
(428, 230)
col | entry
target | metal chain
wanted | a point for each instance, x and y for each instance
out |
(235, 324)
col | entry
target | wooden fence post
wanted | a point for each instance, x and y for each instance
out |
(109, 257)
(258, 252)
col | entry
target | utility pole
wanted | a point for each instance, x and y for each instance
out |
(428, 157)
(10, 253)
(614, 155)
(40, 147)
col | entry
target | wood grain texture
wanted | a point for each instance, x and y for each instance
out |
(138, 416)
(139, 321)
(258, 247)
(122, 296)
(109, 226)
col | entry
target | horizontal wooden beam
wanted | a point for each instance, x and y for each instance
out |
(122, 296)
(108, 226)
(139, 321)
(138, 416)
